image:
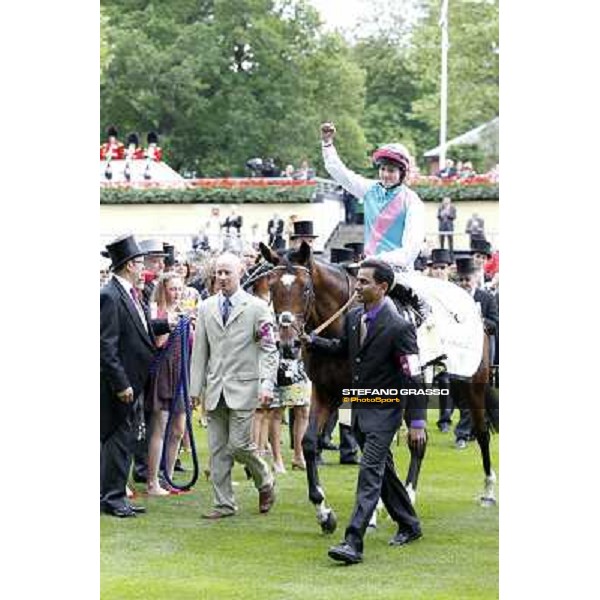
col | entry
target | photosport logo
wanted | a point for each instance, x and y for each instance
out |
(386, 395)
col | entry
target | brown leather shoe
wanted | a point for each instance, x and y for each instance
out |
(266, 498)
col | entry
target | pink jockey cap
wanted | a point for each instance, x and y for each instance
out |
(395, 153)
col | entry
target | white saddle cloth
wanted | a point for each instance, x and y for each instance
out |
(453, 328)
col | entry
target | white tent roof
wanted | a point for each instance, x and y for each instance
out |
(472, 136)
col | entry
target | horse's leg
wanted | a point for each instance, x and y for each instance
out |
(417, 454)
(477, 404)
(319, 413)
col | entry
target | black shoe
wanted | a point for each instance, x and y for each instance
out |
(179, 467)
(345, 553)
(138, 510)
(350, 461)
(121, 512)
(405, 537)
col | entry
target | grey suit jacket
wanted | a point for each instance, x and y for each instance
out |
(235, 359)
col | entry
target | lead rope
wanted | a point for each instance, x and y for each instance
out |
(182, 332)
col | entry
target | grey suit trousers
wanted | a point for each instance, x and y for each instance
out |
(229, 439)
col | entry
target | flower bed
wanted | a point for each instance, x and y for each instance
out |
(478, 187)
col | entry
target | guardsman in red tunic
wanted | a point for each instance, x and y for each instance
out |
(112, 149)
(133, 152)
(153, 153)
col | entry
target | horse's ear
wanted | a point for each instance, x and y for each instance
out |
(304, 254)
(268, 254)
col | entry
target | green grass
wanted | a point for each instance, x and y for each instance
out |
(172, 553)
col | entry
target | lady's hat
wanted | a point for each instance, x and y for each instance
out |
(440, 256)
(342, 255)
(465, 266)
(303, 229)
(481, 247)
(122, 249)
(358, 248)
(153, 248)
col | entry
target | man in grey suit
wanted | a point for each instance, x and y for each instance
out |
(234, 366)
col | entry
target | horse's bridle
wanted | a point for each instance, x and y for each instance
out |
(309, 299)
(308, 293)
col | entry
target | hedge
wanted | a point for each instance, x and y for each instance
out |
(429, 192)
(207, 195)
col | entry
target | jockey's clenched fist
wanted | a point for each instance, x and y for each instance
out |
(327, 132)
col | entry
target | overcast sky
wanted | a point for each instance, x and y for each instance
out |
(339, 13)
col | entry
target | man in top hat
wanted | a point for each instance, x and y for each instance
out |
(439, 268)
(358, 248)
(481, 250)
(348, 445)
(468, 278)
(112, 149)
(341, 256)
(303, 232)
(439, 264)
(127, 347)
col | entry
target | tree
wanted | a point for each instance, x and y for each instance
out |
(224, 81)
(472, 67)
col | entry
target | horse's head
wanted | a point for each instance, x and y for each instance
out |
(292, 292)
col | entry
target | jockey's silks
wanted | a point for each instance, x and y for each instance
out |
(385, 217)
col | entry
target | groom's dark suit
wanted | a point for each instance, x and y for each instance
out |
(387, 358)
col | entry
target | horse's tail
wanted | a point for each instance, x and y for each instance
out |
(492, 409)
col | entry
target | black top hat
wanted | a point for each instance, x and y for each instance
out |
(341, 255)
(357, 247)
(169, 250)
(303, 229)
(112, 132)
(440, 256)
(152, 137)
(153, 247)
(465, 266)
(132, 138)
(122, 249)
(420, 263)
(481, 247)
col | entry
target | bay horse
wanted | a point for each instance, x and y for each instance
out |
(312, 291)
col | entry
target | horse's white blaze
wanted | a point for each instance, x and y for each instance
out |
(287, 279)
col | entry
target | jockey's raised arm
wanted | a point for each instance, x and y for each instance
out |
(394, 214)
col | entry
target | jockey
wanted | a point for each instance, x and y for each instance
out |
(394, 214)
(394, 233)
